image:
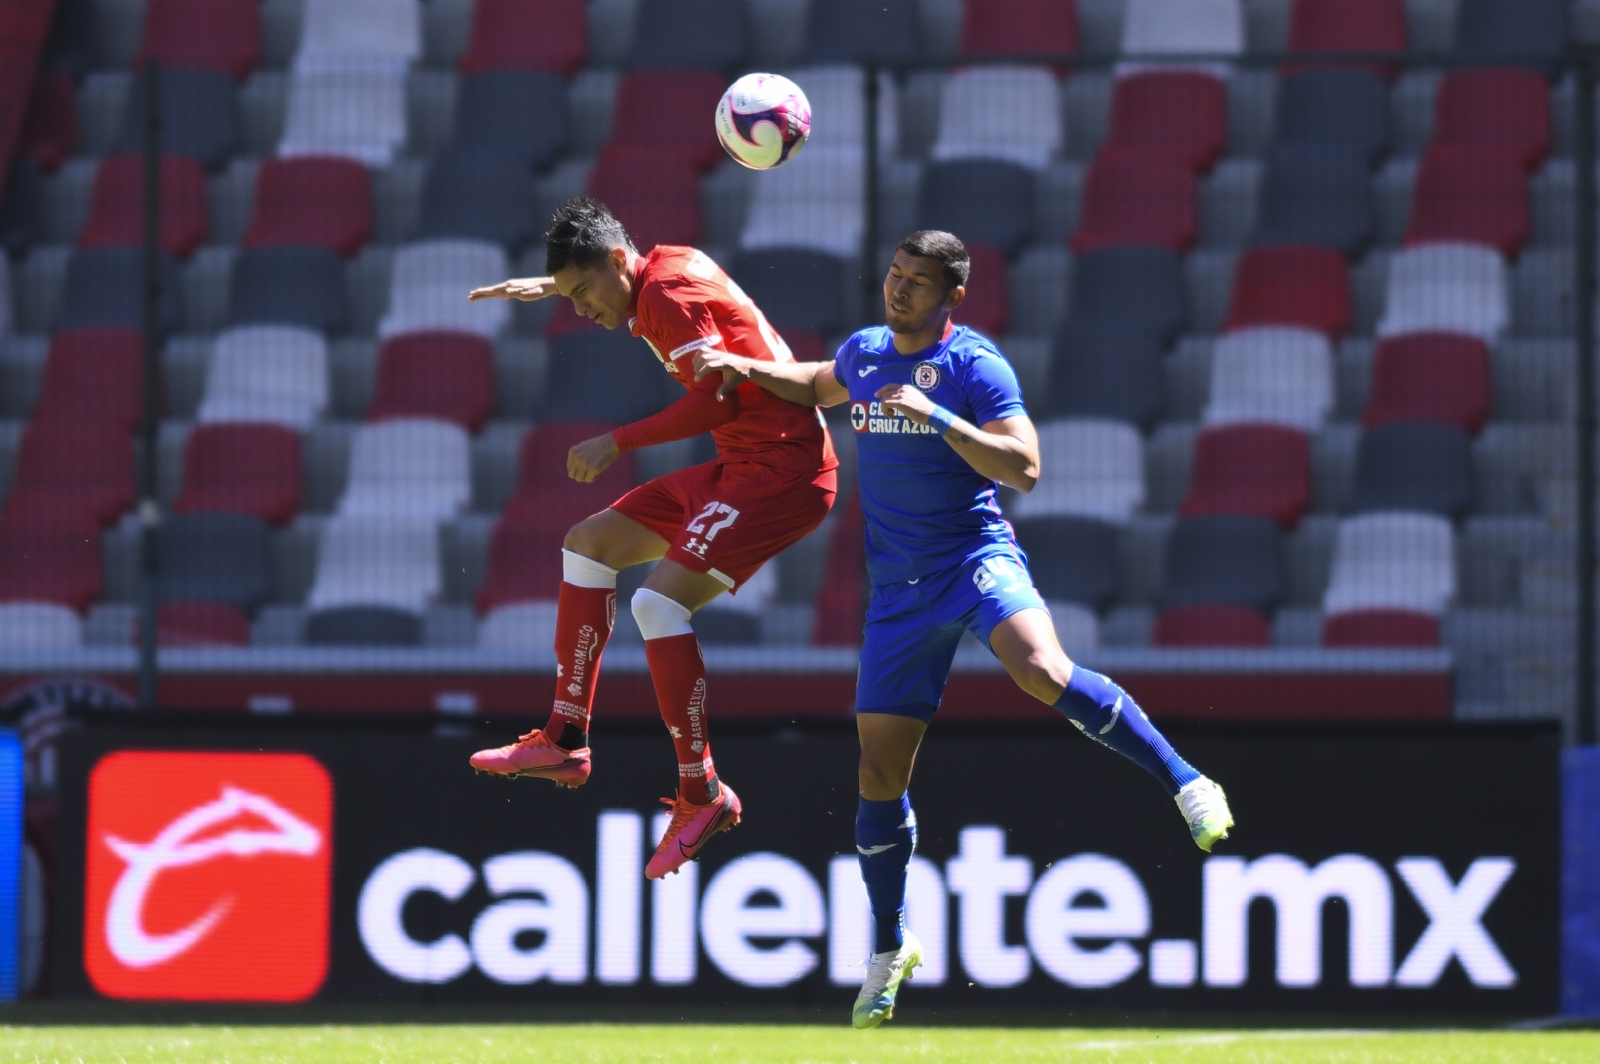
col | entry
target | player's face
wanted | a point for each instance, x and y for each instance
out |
(600, 293)
(914, 293)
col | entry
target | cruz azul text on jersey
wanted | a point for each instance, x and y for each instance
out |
(872, 417)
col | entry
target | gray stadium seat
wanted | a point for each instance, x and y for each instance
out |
(727, 628)
(215, 557)
(1136, 288)
(363, 626)
(1347, 107)
(849, 31)
(691, 33)
(22, 209)
(1106, 371)
(288, 285)
(518, 113)
(105, 286)
(199, 116)
(982, 201)
(1497, 28)
(795, 288)
(1225, 560)
(476, 196)
(1072, 559)
(604, 376)
(1414, 466)
(73, 44)
(1316, 194)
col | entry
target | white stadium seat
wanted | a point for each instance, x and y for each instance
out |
(39, 626)
(816, 201)
(522, 626)
(1182, 27)
(836, 94)
(352, 108)
(1392, 561)
(1458, 288)
(1277, 375)
(408, 468)
(377, 561)
(1088, 468)
(1001, 112)
(1077, 628)
(270, 373)
(754, 597)
(336, 30)
(428, 289)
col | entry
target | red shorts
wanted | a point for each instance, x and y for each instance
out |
(730, 519)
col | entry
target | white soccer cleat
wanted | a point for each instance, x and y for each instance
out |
(885, 973)
(1205, 807)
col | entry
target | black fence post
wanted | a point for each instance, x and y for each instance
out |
(149, 430)
(871, 282)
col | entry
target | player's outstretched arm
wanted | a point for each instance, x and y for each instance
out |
(801, 383)
(1005, 451)
(523, 288)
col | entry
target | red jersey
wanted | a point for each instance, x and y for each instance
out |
(683, 303)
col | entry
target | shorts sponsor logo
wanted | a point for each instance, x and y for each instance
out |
(925, 376)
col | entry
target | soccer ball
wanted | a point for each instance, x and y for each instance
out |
(763, 121)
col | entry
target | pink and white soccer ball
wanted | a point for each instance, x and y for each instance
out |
(763, 120)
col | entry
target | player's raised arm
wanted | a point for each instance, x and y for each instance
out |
(801, 383)
(1005, 450)
(523, 288)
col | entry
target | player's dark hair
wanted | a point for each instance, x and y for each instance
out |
(582, 233)
(947, 248)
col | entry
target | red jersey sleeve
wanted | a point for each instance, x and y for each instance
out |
(695, 413)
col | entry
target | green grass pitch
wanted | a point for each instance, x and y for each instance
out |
(691, 1044)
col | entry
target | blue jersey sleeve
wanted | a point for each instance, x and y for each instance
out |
(842, 361)
(991, 388)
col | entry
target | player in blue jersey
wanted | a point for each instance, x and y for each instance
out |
(939, 423)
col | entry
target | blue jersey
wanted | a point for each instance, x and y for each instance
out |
(926, 508)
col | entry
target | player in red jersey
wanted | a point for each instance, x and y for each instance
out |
(712, 525)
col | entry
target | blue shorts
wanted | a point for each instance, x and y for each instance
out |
(913, 628)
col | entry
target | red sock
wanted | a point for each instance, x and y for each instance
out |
(584, 616)
(679, 673)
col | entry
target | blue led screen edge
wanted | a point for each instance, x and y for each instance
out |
(10, 861)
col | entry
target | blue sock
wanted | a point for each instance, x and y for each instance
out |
(1109, 715)
(886, 836)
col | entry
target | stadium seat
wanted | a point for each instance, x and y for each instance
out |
(1071, 559)
(377, 561)
(1473, 194)
(795, 288)
(1380, 628)
(408, 469)
(271, 374)
(1459, 288)
(987, 306)
(524, 563)
(1106, 371)
(1006, 113)
(1211, 625)
(519, 626)
(712, 34)
(1090, 467)
(805, 346)
(1183, 27)
(224, 558)
(1316, 194)
(199, 624)
(1291, 285)
(604, 376)
(815, 201)
(93, 376)
(1371, 26)
(427, 291)
(5, 297)
(1019, 27)
(314, 202)
(1136, 289)
(1137, 197)
(1438, 377)
(1274, 375)
(1413, 466)
(1224, 560)
(657, 198)
(220, 35)
(116, 206)
(1392, 561)
(50, 127)
(22, 208)
(374, 31)
(566, 320)
(980, 200)
(39, 626)
(105, 286)
(547, 35)
(288, 285)
(1345, 108)
(250, 468)
(442, 375)
(352, 110)
(661, 112)
(363, 626)
(547, 493)
(199, 116)
(74, 41)
(1498, 28)
(847, 31)
(840, 93)
(1498, 107)
(1259, 470)
(469, 195)
(46, 559)
(519, 114)
(72, 473)
(1183, 113)
(841, 597)
(717, 625)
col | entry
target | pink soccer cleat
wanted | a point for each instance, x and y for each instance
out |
(691, 828)
(535, 755)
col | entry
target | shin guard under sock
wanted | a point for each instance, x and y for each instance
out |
(886, 837)
(585, 612)
(1107, 714)
(679, 674)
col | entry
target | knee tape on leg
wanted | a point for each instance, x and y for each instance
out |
(658, 616)
(586, 572)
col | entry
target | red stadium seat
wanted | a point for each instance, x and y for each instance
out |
(444, 375)
(1020, 27)
(116, 208)
(1137, 197)
(1475, 194)
(841, 599)
(45, 560)
(1211, 626)
(93, 376)
(220, 35)
(313, 201)
(542, 482)
(656, 197)
(1251, 470)
(1380, 628)
(804, 345)
(72, 472)
(987, 307)
(200, 624)
(549, 35)
(566, 320)
(524, 562)
(1347, 26)
(1291, 284)
(1504, 107)
(665, 111)
(1182, 112)
(1438, 377)
(231, 467)
(50, 127)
